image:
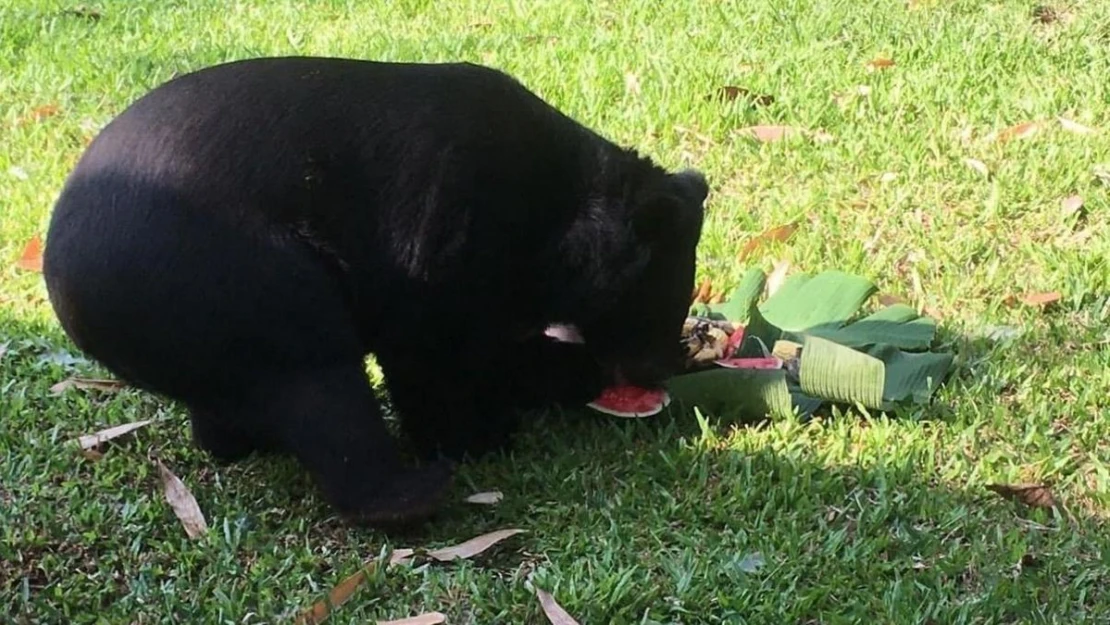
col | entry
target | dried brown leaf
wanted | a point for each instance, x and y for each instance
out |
(769, 134)
(554, 612)
(777, 276)
(1020, 131)
(430, 618)
(89, 441)
(83, 12)
(31, 258)
(1040, 299)
(1045, 14)
(778, 234)
(91, 455)
(730, 93)
(336, 597)
(879, 63)
(486, 498)
(183, 503)
(1071, 205)
(87, 384)
(400, 555)
(705, 291)
(472, 547)
(40, 113)
(887, 299)
(1075, 127)
(1032, 495)
(978, 166)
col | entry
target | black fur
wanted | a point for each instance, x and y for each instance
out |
(241, 237)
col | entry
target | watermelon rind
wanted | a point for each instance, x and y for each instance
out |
(623, 414)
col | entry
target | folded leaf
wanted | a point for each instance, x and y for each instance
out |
(911, 376)
(898, 325)
(838, 373)
(748, 393)
(759, 334)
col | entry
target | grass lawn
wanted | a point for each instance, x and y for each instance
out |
(844, 519)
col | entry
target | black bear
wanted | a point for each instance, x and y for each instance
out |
(241, 237)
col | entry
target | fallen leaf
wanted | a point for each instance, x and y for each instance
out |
(91, 454)
(820, 136)
(751, 563)
(555, 613)
(40, 113)
(978, 166)
(107, 386)
(1075, 127)
(730, 93)
(89, 441)
(31, 259)
(889, 176)
(1032, 495)
(1071, 205)
(1102, 174)
(400, 555)
(632, 83)
(769, 134)
(1020, 131)
(777, 276)
(336, 597)
(879, 63)
(486, 498)
(83, 12)
(705, 291)
(1045, 14)
(889, 300)
(472, 547)
(431, 618)
(183, 503)
(1040, 299)
(778, 234)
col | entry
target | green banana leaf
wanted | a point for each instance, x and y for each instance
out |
(876, 361)
(838, 373)
(829, 298)
(740, 302)
(748, 393)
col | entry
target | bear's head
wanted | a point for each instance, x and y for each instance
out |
(643, 273)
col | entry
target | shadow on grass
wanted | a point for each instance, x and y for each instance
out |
(646, 521)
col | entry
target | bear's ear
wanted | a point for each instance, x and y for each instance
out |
(674, 204)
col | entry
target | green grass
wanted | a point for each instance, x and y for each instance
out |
(859, 519)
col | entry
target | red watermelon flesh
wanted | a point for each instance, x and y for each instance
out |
(751, 363)
(734, 340)
(631, 401)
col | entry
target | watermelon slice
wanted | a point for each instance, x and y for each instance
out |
(734, 340)
(772, 362)
(631, 402)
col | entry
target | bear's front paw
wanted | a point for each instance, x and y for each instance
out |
(405, 498)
